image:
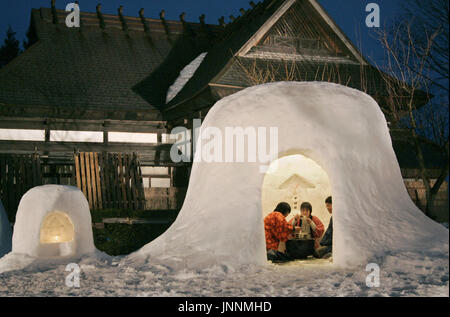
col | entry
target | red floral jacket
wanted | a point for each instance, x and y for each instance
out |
(277, 229)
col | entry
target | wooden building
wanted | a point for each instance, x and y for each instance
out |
(110, 77)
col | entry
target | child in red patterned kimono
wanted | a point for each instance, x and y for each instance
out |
(277, 232)
(317, 227)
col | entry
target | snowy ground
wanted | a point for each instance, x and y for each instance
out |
(404, 274)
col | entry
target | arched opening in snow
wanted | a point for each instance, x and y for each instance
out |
(57, 228)
(57, 234)
(296, 178)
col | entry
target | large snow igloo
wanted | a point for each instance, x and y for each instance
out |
(5, 232)
(53, 221)
(343, 131)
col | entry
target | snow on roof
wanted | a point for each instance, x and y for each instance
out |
(185, 74)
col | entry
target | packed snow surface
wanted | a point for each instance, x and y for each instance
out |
(401, 274)
(185, 74)
(345, 132)
(5, 232)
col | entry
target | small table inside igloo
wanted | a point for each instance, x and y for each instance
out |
(300, 247)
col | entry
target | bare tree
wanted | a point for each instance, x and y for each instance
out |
(408, 76)
(427, 19)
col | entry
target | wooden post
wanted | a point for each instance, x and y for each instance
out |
(100, 188)
(14, 179)
(122, 182)
(38, 167)
(29, 171)
(88, 178)
(33, 169)
(133, 182)
(3, 179)
(9, 185)
(158, 150)
(105, 181)
(76, 158)
(127, 180)
(93, 180)
(140, 185)
(20, 180)
(116, 181)
(47, 134)
(83, 174)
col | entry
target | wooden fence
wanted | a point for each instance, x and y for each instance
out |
(18, 174)
(110, 180)
(107, 180)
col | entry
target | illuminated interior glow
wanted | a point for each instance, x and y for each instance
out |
(57, 228)
(295, 179)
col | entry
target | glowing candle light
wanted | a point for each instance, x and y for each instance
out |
(57, 228)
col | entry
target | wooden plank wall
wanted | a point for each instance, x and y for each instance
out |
(18, 174)
(110, 180)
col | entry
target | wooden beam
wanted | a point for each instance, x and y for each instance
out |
(29, 146)
(83, 125)
(225, 86)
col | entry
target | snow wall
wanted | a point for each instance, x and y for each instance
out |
(5, 232)
(39, 202)
(340, 128)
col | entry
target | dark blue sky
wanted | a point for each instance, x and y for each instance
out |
(348, 14)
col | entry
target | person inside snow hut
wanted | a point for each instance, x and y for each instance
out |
(278, 231)
(326, 244)
(310, 225)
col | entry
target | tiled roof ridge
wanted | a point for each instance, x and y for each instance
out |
(57, 16)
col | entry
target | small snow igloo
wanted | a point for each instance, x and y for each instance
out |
(340, 129)
(53, 221)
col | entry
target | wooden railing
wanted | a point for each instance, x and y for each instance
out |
(110, 180)
(18, 173)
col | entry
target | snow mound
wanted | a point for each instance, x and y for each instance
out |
(53, 225)
(69, 220)
(13, 262)
(5, 232)
(341, 129)
(185, 74)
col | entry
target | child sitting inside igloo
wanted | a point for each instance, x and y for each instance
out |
(313, 223)
(278, 231)
(326, 244)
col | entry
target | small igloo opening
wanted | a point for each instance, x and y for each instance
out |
(296, 178)
(57, 235)
(57, 228)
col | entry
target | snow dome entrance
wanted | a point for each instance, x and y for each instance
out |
(342, 130)
(53, 221)
(57, 228)
(296, 179)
